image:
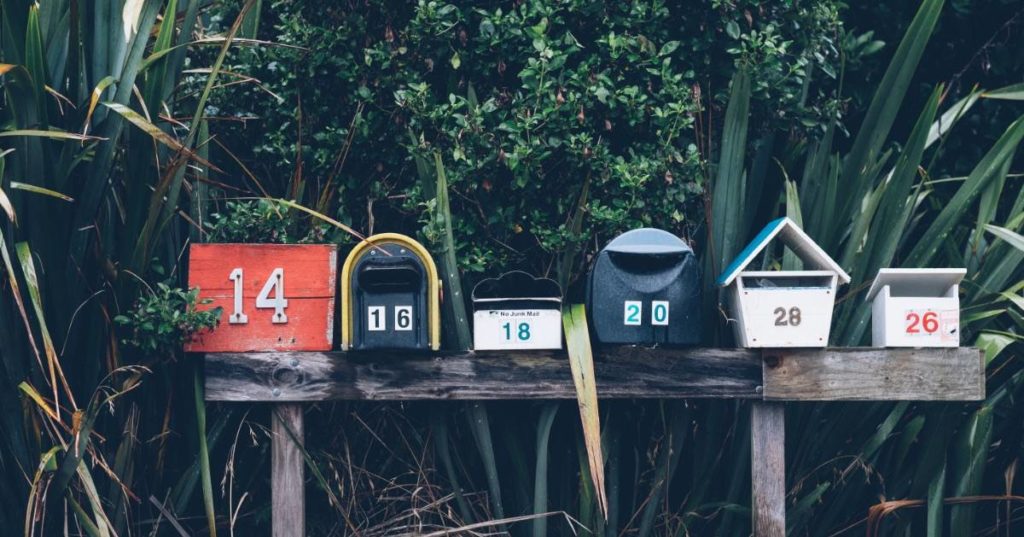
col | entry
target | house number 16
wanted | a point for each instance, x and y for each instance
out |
(275, 284)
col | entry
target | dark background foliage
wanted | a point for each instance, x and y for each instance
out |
(525, 102)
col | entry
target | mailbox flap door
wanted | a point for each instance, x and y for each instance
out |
(390, 307)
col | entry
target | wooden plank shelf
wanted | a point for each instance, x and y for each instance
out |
(623, 372)
(768, 377)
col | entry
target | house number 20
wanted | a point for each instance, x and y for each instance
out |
(634, 309)
(275, 284)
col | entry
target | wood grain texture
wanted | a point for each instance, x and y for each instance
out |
(621, 372)
(288, 510)
(870, 374)
(310, 273)
(768, 469)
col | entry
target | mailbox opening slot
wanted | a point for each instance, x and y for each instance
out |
(635, 261)
(391, 278)
(768, 280)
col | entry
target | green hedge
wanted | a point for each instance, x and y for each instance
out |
(526, 103)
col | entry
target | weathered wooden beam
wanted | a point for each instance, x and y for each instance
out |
(622, 372)
(863, 374)
(288, 499)
(768, 469)
(868, 374)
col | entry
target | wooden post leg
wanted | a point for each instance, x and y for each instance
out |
(288, 515)
(768, 469)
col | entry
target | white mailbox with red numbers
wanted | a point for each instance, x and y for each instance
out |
(782, 308)
(916, 307)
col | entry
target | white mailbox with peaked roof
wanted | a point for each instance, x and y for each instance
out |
(916, 307)
(782, 308)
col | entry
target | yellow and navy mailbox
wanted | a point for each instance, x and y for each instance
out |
(644, 289)
(390, 296)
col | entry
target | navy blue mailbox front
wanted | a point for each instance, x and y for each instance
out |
(645, 289)
(390, 296)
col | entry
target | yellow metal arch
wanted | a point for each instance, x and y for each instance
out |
(433, 286)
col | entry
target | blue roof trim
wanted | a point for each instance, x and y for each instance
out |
(752, 249)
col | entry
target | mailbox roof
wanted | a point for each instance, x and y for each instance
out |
(792, 236)
(648, 240)
(921, 282)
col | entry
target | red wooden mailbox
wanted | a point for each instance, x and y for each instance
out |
(275, 297)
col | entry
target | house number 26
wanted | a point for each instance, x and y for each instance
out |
(275, 284)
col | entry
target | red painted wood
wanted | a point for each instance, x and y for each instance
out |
(310, 286)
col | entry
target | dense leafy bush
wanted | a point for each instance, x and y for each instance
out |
(526, 104)
(168, 317)
(261, 221)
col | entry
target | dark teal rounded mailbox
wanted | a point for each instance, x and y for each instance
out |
(645, 289)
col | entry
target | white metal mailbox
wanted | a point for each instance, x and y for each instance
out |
(517, 311)
(916, 307)
(789, 308)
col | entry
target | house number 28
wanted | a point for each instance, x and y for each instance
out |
(275, 284)
(787, 318)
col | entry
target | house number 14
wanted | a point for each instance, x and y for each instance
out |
(275, 284)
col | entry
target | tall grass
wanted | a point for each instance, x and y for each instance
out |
(100, 139)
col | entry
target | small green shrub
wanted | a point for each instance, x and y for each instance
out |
(261, 221)
(162, 321)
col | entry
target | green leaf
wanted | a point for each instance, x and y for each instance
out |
(540, 478)
(969, 457)
(164, 42)
(732, 29)
(456, 317)
(35, 61)
(936, 500)
(581, 361)
(155, 132)
(53, 135)
(480, 425)
(56, 374)
(1014, 92)
(884, 107)
(992, 344)
(950, 117)
(1014, 239)
(789, 260)
(40, 190)
(980, 177)
(728, 230)
(204, 452)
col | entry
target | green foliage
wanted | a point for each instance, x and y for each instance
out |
(261, 220)
(523, 103)
(160, 322)
(94, 155)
